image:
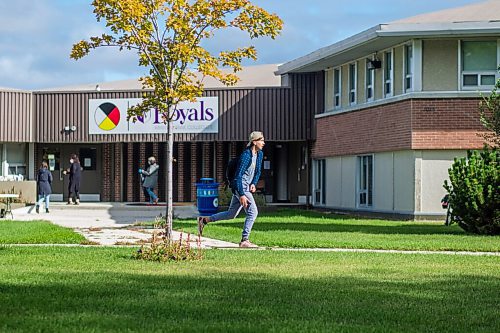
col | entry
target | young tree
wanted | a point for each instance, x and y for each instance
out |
(167, 36)
(489, 109)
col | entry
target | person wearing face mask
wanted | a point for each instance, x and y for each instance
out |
(149, 180)
(75, 175)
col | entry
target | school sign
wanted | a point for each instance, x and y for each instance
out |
(109, 116)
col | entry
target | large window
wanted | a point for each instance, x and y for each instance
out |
(369, 79)
(365, 181)
(352, 84)
(388, 74)
(479, 64)
(336, 88)
(408, 70)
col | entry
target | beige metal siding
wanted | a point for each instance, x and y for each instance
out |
(282, 113)
(398, 68)
(440, 63)
(16, 116)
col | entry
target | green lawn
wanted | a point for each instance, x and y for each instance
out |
(301, 228)
(58, 289)
(36, 232)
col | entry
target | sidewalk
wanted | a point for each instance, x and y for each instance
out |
(112, 223)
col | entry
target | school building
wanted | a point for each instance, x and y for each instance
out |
(371, 123)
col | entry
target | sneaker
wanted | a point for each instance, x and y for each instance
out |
(77, 201)
(37, 209)
(247, 244)
(202, 222)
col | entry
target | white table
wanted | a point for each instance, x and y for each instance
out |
(8, 202)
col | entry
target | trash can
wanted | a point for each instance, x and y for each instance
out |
(207, 196)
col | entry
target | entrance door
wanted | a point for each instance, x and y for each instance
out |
(58, 157)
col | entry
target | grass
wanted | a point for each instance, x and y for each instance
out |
(73, 289)
(310, 229)
(36, 232)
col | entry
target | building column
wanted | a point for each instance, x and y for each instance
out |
(118, 169)
(130, 172)
(181, 174)
(206, 160)
(142, 164)
(194, 170)
(106, 168)
(156, 150)
(219, 162)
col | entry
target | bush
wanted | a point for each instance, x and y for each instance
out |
(163, 249)
(474, 191)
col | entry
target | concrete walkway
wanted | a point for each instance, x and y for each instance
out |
(114, 223)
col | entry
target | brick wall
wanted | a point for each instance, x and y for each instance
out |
(381, 128)
(409, 124)
(446, 124)
(107, 164)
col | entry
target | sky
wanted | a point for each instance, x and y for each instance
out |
(36, 36)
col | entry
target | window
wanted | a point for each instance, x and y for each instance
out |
(369, 78)
(365, 188)
(479, 64)
(16, 158)
(320, 183)
(88, 158)
(352, 84)
(336, 88)
(388, 74)
(408, 70)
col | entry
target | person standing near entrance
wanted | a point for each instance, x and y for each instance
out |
(243, 186)
(44, 185)
(149, 179)
(75, 176)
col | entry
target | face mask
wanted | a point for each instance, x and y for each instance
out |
(71, 161)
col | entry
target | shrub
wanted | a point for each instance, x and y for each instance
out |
(474, 191)
(163, 249)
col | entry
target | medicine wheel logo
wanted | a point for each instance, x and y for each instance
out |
(107, 116)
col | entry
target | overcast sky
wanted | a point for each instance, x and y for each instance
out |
(36, 36)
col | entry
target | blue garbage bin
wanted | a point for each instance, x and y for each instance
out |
(207, 196)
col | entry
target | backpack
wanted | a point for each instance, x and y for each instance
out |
(231, 170)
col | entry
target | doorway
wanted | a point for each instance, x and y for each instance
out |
(57, 157)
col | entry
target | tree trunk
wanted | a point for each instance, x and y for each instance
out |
(168, 184)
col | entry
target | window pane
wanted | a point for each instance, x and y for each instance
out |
(336, 81)
(368, 74)
(408, 60)
(388, 66)
(487, 80)
(408, 83)
(369, 93)
(470, 80)
(479, 56)
(352, 76)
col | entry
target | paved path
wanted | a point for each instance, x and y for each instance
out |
(113, 223)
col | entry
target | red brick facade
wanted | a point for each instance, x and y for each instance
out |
(408, 124)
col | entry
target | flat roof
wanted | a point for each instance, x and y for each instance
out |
(250, 77)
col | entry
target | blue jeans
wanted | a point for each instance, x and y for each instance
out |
(148, 191)
(42, 198)
(234, 210)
